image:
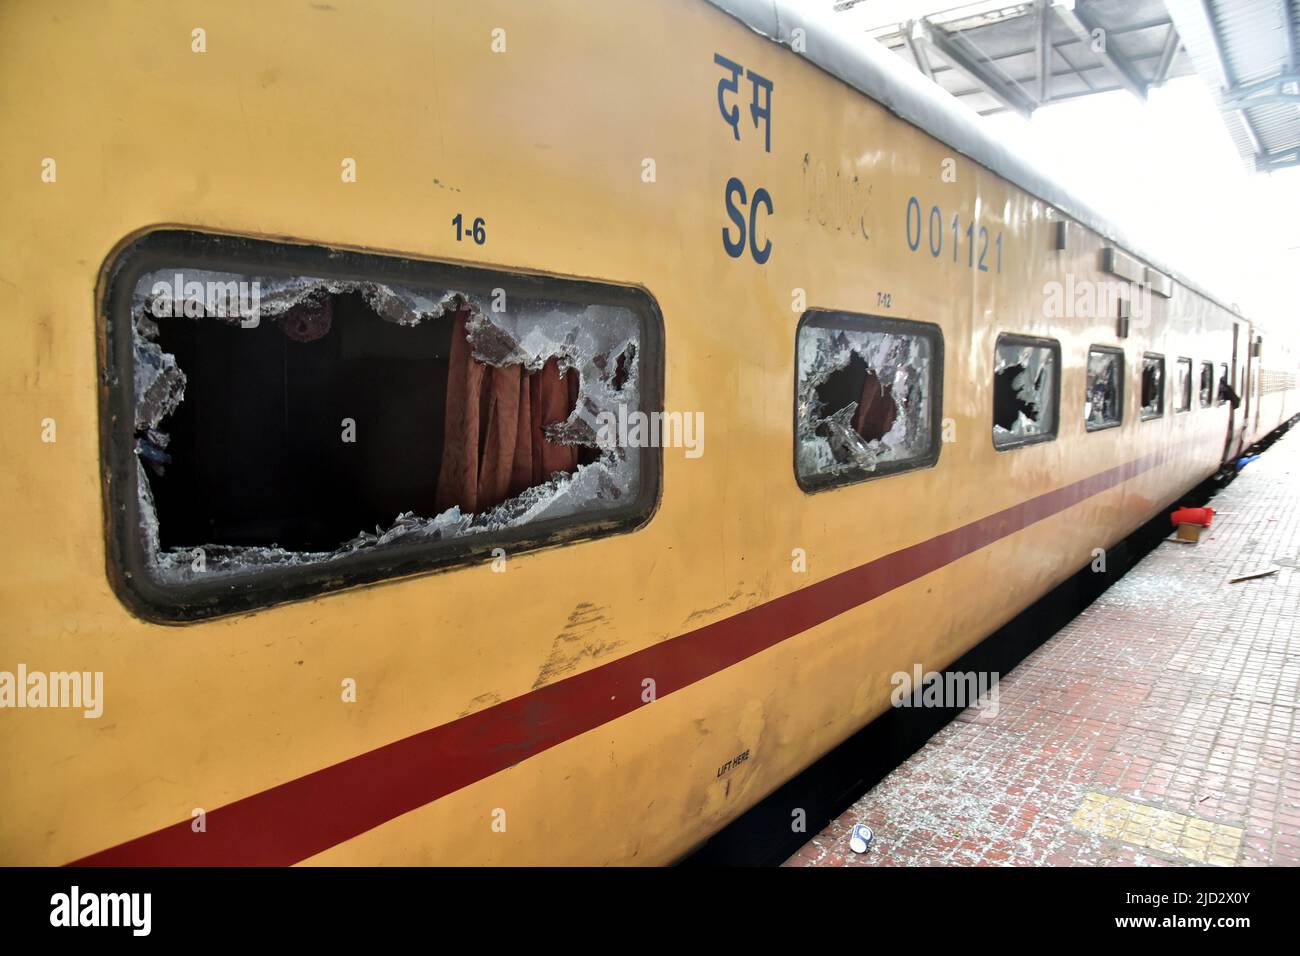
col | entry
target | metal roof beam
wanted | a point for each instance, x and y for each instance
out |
(1276, 98)
(1275, 161)
(1167, 55)
(979, 73)
(1044, 12)
(1291, 14)
(917, 50)
(1083, 29)
(1272, 90)
(1255, 144)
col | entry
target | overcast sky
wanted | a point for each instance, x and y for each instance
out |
(1166, 171)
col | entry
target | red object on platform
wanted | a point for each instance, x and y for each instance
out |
(1201, 516)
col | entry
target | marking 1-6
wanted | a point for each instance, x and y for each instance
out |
(478, 232)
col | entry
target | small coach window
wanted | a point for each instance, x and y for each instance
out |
(867, 399)
(1183, 385)
(1103, 405)
(1207, 384)
(1026, 390)
(1153, 385)
(1220, 393)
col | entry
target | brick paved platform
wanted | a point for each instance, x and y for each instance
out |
(1158, 728)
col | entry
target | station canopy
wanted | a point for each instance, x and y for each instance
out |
(996, 56)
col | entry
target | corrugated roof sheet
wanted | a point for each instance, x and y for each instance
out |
(1246, 51)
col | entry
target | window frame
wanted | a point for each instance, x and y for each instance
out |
(1032, 341)
(1191, 400)
(1117, 351)
(169, 602)
(864, 321)
(1164, 386)
(1225, 373)
(1205, 363)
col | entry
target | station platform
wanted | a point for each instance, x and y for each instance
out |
(1158, 728)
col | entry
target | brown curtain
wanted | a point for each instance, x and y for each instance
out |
(493, 445)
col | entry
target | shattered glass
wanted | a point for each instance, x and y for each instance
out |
(598, 342)
(829, 446)
(1183, 385)
(1153, 386)
(1024, 392)
(1102, 405)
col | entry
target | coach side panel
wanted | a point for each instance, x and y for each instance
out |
(586, 157)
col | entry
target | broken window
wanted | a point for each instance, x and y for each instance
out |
(289, 420)
(1026, 386)
(1103, 405)
(1153, 385)
(867, 397)
(1183, 385)
(1206, 389)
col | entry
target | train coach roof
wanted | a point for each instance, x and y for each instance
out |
(872, 70)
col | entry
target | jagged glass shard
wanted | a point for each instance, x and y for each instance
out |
(1033, 391)
(1105, 390)
(828, 444)
(1153, 385)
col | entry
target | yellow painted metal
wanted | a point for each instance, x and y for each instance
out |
(546, 142)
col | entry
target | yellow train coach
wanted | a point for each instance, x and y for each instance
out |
(529, 433)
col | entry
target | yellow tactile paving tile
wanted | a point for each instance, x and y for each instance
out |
(1163, 831)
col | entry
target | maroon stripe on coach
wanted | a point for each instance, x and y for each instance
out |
(305, 816)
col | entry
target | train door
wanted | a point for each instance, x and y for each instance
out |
(1256, 360)
(1237, 415)
(1244, 383)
